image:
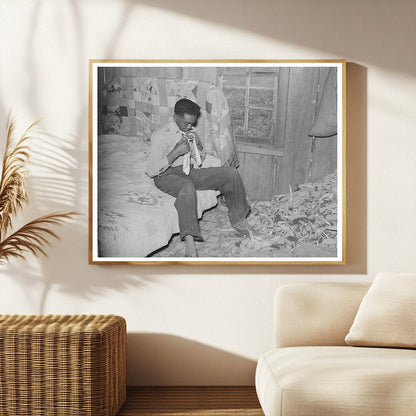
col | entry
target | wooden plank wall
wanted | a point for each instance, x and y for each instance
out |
(295, 160)
(258, 174)
(301, 108)
(137, 71)
(203, 74)
(194, 73)
(324, 158)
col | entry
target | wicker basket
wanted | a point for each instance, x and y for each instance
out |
(71, 365)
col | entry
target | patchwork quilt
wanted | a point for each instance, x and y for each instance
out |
(138, 105)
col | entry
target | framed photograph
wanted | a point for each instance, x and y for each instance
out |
(217, 162)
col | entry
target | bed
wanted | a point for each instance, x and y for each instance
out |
(134, 218)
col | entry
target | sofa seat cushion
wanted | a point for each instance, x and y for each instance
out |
(304, 381)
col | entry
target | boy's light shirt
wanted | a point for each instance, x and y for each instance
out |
(163, 140)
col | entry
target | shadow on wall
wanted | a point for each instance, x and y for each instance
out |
(332, 26)
(357, 32)
(58, 184)
(356, 194)
(356, 167)
(72, 184)
(60, 176)
(37, 282)
(52, 186)
(77, 172)
(161, 359)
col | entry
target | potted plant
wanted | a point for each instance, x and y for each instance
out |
(34, 236)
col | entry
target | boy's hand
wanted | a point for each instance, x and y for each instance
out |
(181, 148)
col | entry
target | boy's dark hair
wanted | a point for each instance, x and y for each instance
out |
(186, 106)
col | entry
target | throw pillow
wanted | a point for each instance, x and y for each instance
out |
(387, 314)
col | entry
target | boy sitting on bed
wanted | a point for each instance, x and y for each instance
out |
(174, 147)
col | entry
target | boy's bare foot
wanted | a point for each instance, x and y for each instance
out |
(190, 249)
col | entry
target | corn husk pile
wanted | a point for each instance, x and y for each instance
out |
(302, 223)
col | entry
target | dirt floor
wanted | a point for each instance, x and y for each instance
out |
(300, 224)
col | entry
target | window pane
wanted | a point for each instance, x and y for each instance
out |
(237, 120)
(261, 98)
(234, 81)
(260, 123)
(262, 81)
(235, 96)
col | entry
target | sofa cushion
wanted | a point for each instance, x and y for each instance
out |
(387, 314)
(304, 381)
(315, 313)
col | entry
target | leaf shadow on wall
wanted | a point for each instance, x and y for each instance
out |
(53, 187)
(163, 359)
(334, 27)
(62, 271)
(257, 19)
(76, 145)
(355, 196)
(59, 181)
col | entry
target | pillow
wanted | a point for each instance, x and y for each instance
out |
(387, 314)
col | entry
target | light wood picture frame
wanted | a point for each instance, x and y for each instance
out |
(279, 123)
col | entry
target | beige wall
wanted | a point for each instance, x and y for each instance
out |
(204, 325)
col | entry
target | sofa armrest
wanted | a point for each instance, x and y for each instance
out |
(308, 314)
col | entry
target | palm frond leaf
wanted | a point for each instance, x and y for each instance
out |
(12, 182)
(33, 237)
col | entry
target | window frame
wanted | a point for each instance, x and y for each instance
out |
(250, 72)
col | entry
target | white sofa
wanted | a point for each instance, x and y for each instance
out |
(311, 370)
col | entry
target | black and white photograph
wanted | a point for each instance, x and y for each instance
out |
(216, 162)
